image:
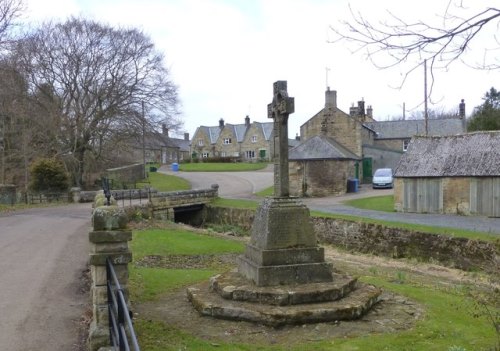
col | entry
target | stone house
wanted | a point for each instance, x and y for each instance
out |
(159, 148)
(247, 141)
(379, 144)
(450, 174)
(330, 151)
(320, 166)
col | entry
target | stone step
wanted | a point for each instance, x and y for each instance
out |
(233, 286)
(353, 306)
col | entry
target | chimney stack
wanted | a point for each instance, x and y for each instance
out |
(361, 108)
(369, 111)
(297, 137)
(461, 109)
(221, 123)
(186, 136)
(330, 98)
(164, 130)
(247, 121)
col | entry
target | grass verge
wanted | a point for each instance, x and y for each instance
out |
(377, 203)
(455, 232)
(222, 167)
(448, 320)
(165, 182)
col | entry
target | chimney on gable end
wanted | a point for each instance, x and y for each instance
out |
(330, 98)
(247, 121)
(186, 136)
(369, 112)
(164, 130)
(221, 123)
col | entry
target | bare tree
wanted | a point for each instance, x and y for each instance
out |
(10, 10)
(395, 41)
(95, 79)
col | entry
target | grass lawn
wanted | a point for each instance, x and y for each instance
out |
(165, 182)
(377, 203)
(221, 167)
(266, 192)
(448, 320)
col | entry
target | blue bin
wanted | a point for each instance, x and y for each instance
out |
(352, 185)
(355, 185)
(175, 167)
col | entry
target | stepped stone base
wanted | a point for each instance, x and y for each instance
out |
(232, 286)
(352, 306)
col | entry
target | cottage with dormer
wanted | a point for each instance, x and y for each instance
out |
(249, 141)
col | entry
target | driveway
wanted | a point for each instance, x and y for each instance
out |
(44, 252)
(244, 185)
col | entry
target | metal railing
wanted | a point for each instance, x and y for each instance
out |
(121, 329)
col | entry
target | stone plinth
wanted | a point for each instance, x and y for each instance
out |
(283, 247)
(350, 307)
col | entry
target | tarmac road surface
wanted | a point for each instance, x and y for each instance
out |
(43, 254)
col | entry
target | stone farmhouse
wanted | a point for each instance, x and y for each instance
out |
(371, 145)
(247, 141)
(450, 174)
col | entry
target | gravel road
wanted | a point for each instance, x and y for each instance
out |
(44, 252)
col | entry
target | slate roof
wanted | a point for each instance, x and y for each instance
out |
(409, 128)
(182, 144)
(470, 155)
(321, 147)
(239, 130)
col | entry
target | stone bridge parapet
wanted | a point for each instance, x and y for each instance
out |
(162, 204)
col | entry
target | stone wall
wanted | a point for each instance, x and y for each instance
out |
(248, 144)
(320, 178)
(126, 174)
(384, 241)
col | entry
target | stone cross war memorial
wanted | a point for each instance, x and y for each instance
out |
(283, 264)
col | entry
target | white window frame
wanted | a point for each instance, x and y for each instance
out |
(227, 141)
(223, 154)
(200, 142)
(406, 142)
(250, 154)
(204, 155)
(254, 138)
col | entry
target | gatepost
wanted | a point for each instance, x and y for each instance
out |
(109, 238)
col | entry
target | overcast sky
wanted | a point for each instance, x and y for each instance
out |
(225, 54)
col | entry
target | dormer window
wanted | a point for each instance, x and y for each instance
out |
(227, 141)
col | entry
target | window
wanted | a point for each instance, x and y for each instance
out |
(223, 154)
(200, 142)
(204, 155)
(405, 144)
(250, 154)
(227, 141)
(254, 138)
